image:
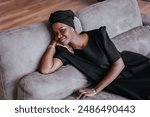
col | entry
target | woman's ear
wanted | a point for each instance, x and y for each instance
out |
(72, 29)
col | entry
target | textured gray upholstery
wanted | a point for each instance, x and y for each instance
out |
(136, 40)
(22, 49)
(20, 53)
(117, 15)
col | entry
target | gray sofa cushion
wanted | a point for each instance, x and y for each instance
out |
(58, 85)
(77, 25)
(20, 53)
(136, 40)
(117, 15)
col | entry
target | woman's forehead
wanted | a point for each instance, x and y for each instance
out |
(58, 25)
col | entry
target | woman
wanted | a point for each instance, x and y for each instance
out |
(93, 53)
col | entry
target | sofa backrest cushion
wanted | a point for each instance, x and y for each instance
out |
(136, 40)
(117, 15)
(77, 25)
(20, 53)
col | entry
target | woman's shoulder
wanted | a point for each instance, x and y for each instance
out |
(61, 49)
(98, 30)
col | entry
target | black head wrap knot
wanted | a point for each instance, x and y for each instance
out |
(65, 17)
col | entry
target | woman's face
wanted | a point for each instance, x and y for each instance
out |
(62, 32)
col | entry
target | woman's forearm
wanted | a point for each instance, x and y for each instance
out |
(112, 74)
(47, 59)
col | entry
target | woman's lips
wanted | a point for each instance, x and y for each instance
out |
(63, 40)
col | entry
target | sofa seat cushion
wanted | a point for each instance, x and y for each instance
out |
(57, 85)
(135, 40)
(117, 15)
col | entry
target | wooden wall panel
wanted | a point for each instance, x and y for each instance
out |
(18, 13)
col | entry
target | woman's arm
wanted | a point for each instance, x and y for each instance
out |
(112, 74)
(49, 64)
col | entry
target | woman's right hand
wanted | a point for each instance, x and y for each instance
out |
(53, 42)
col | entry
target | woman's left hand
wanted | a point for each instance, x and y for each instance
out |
(85, 92)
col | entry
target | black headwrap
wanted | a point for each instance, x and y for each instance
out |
(65, 17)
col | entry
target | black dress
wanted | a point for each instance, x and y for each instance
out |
(97, 57)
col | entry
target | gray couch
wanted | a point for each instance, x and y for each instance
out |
(22, 49)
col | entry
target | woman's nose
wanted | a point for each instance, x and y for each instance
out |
(59, 36)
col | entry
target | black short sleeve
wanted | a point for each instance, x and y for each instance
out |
(60, 54)
(107, 45)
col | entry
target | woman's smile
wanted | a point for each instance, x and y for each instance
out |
(63, 39)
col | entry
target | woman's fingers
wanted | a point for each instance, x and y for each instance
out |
(86, 92)
(81, 95)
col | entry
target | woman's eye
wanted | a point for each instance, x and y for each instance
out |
(62, 30)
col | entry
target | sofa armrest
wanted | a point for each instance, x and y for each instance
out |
(58, 85)
(145, 19)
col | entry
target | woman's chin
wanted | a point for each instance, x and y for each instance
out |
(64, 43)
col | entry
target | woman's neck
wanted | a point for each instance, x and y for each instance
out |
(77, 42)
